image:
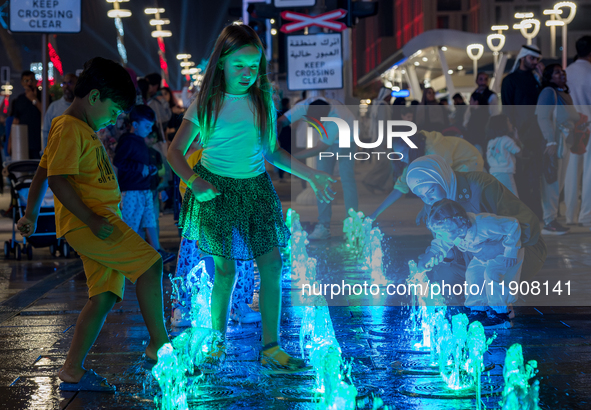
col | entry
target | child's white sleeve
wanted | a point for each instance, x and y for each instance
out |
(440, 247)
(511, 146)
(504, 227)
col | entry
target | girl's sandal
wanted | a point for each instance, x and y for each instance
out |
(276, 361)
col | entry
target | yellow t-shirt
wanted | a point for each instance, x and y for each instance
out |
(192, 161)
(74, 150)
(459, 154)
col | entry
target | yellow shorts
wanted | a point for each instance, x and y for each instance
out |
(124, 254)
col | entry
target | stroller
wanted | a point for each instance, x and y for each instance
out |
(20, 174)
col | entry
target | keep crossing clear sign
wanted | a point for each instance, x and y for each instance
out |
(315, 62)
(45, 16)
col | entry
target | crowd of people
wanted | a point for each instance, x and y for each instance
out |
(108, 189)
(535, 143)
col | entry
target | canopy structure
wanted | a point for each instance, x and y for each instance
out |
(438, 58)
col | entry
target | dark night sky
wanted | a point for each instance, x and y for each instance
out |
(195, 25)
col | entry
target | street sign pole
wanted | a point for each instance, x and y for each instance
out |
(44, 83)
(45, 17)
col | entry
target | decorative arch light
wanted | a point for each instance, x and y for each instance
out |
(526, 25)
(475, 52)
(490, 42)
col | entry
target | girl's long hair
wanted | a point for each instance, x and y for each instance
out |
(497, 126)
(173, 101)
(211, 97)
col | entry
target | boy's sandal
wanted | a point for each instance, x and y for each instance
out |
(89, 382)
(271, 365)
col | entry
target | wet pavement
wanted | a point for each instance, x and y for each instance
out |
(40, 300)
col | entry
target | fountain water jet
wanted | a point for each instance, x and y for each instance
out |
(172, 379)
(201, 290)
(518, 393)
(462, 349)
(353, 228)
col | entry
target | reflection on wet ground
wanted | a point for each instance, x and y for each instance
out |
(36, 329)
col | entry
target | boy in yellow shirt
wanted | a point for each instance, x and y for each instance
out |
(87, 213)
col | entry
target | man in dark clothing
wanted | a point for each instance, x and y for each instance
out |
(484, 103)
(132, 160)
(519, 93)
(26, 110)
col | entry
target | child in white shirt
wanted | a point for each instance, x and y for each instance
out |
(495, 244)
(501, 150)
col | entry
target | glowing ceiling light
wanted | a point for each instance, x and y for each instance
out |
(161, 33)
(153, 11)
(159, 22)
(119, 13)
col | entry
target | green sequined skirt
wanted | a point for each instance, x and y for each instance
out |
(244, 222)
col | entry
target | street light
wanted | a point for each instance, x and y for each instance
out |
(160, 34)
(185, 59)
(552, 23)
(118, 13)
(566, 20)
(479, 49)
(495, 48)
(525, 25)
(499, 36)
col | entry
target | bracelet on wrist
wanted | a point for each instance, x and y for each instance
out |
(190, 180)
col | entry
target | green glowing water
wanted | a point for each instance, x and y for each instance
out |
(200, 296)
(171, 377)
(518, 393)
(461, 353)
(353, 228)
(334, 389)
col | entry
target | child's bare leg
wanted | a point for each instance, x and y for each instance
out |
(223, 286)
(149, 295)
(152, 237)
(270, 265)
(88, 326)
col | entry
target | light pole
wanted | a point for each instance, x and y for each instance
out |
(552, 23)
(479, 49)
(159, 34)
(566, 20)
(496, 49)
(118, 13)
